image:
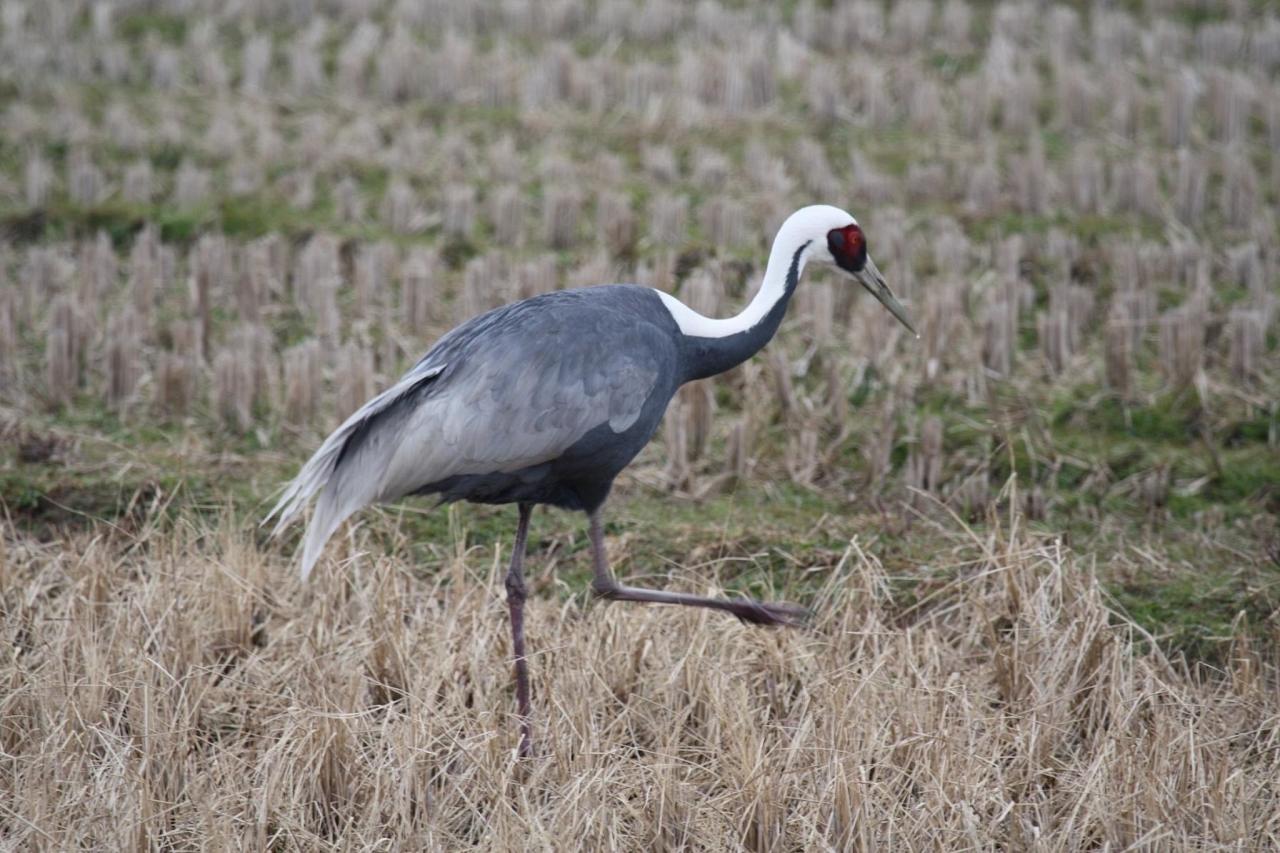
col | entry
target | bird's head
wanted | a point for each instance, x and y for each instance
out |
(836, 238)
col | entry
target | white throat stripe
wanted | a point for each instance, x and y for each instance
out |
(695, 325)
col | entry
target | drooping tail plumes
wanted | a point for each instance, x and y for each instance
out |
(342, 490)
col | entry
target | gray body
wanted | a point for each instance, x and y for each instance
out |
(542, 401)
(611, 352)
(592, 370)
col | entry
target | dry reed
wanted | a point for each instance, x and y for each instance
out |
(184, 689)
(301, 383)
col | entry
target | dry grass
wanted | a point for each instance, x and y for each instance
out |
(182, 689)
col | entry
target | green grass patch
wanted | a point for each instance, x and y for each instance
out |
(1194, 614)
(139, 25)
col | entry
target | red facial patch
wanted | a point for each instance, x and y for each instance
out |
(848, 246)
(855, 241)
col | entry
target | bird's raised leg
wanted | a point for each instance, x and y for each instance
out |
(605, 585)
(516, 595)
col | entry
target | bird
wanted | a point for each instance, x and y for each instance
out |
(545, 400)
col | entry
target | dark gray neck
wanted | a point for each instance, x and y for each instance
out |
(703, 357)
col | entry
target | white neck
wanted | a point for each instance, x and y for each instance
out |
(791, 237)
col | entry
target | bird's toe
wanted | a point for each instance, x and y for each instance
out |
(771, 613)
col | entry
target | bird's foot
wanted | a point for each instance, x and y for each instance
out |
(770, 613)
(746, 609)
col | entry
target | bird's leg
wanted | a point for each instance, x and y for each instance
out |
(516, 595)
(605, 585)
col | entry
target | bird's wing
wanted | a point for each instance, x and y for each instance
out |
(520, 408)
(503, 395)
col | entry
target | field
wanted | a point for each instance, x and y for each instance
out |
(1040, 542)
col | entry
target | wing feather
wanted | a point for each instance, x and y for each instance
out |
(520, 388)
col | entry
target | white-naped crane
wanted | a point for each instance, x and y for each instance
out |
(545, 400)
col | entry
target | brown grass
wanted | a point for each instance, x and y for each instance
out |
(183, 689)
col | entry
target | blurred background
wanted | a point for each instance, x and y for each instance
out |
(224, 225)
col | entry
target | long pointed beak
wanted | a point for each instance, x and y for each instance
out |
(870, 278)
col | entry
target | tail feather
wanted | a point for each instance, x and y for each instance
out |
(326, 518)
(319, 476)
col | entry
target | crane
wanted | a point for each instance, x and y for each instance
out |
(546, 400)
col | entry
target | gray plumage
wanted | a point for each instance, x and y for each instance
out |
(510, 406)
